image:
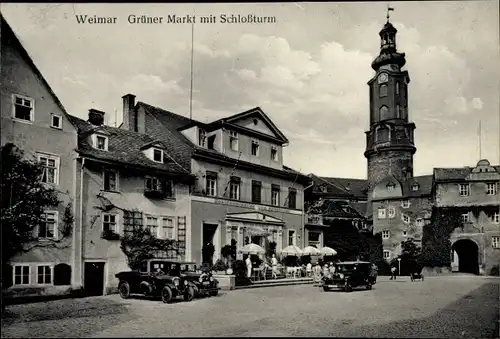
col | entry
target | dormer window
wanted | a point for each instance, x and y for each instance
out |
(415, 187)
(100, 142)
(202, 138)
(255, 148)
(157, 155)
(405, 204)
(274, 153)
(391, 187)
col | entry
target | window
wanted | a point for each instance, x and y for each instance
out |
(313, 239)
(202, 138)
(153, 184)
(157, 155)
(392, 212)
(384, 113)
(383, 91)
(44, 275)
(390, 187)
(255, 148)
(152, 225)
(405, 234)
(56, 121)
(406, 219)
(405, 204)
(463, 190)
(292, 198)
(387, 254)
(22, 275)
(381, 213)
(101, 142)
(386, 234)
(234, 188)
(211, 141)
(291, 237)
(414, 188)
(397, 87)
(168, 228)
(168, 188)
(48, 228)
(110, 222)
(109, 180)
(465, 218)
(492, 189)
(50, 173)
(274, 153)
(496, 218)
(211, 185)
(23, 108)
(256, 191)
(495, 242)
(233, 140)
(420, 222)
(275, 195)
(398, 111)
(158, 188)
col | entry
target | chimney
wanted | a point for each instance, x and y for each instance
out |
(129, 115)
(96, 117)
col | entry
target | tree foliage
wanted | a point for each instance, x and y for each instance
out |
(411, 257)
(24, 198)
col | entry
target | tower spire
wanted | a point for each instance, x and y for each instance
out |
(389, 8)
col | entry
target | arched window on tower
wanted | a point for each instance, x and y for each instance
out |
(383, 90)
(397, 88)
(384, 113)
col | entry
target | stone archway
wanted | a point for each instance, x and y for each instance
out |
(467, 251)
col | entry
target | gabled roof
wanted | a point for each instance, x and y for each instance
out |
(9, 37)
(424, 183)
(124, 148)
(182, 149)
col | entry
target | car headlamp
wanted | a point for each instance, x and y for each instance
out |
(176, 282)
(211, 278)
(341, 276)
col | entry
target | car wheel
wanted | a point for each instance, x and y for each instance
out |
(369, 286)
(166, 294)
(214, 293)
(189, 294)
(124, 289)
(348, 288)
(325, 288)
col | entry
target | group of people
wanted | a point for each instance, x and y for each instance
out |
(274, 266)
(323, 272)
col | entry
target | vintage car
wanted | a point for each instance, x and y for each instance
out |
(156, 277)
(204, 283)
(351, 274)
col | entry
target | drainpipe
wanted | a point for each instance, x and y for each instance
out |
(81, 222)
(304, 214)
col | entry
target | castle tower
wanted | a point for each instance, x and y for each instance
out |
(389, 142)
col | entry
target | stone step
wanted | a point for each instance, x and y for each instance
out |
(277, 282)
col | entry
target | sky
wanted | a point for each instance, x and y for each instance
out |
(308, 71)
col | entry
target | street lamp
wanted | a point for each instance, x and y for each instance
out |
(399, 266)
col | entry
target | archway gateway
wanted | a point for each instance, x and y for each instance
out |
(466, 252)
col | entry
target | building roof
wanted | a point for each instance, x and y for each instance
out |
(124, 147)
(10, 38)
(424, 183)
(342, 187)
(182, 149)
(334, 209)
(455, 174)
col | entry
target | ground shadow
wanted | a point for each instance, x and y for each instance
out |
(477, 312)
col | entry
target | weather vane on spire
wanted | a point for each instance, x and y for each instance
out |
(389, 8)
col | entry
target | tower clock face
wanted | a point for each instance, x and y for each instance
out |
(382, 78)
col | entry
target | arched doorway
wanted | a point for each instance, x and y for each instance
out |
(468, 256)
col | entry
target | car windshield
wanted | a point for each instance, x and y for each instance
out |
(345, 268)
(188, 268)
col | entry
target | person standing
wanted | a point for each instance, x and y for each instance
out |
(274, 265)
(248, 261)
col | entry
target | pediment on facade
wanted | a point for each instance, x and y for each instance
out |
(253, 217)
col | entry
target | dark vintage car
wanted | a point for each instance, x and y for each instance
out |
(156, 277)
(203, 281)
(351, 274)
